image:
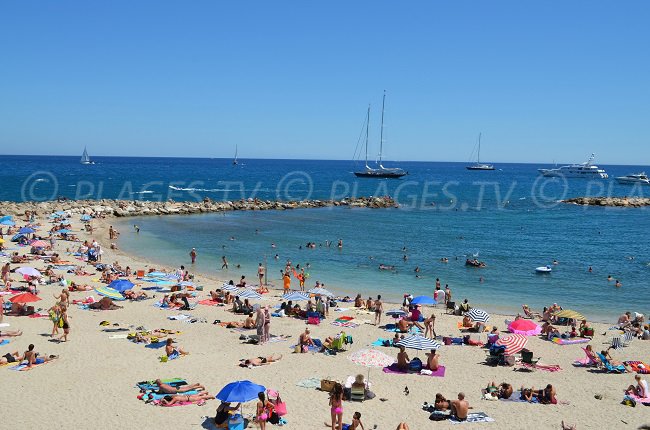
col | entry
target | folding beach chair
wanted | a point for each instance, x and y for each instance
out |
(357, 394)
(608, 366)
(627, 338)
(616, 343)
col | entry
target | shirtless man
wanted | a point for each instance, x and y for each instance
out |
(168, 389)
(379, 308)
(12, 357)
(259, 361)
(403, 360)
(460, 408)
(30, 357)
(432, 361)
(305, 339)
(10, 333)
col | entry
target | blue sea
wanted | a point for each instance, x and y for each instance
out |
(510, 218)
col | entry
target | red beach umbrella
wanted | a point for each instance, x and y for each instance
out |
(513, 343)
(24, 298)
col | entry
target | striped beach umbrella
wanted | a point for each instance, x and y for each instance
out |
(321, 292)
(418, 342)
(40, 244)
(513, 343)
(246, 293)
(568, 313)
(296, 297)
(109, 292)
(478, 315)
(229, 287)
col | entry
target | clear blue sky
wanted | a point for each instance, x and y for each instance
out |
(543, 81)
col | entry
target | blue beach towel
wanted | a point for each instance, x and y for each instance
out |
(4, 342)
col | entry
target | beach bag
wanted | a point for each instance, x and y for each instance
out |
(274, 418)
(415, 365)
(280, 407)
(327, 385)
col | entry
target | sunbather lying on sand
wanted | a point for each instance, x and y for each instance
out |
(135, 295)
(168, 389)
(248, 323)
(31, 357)
(10, 357)
(173, 352)
(503, 391)
(10, 333)
(182, 398)
(259, 361)
(77, 287)
(104, 304)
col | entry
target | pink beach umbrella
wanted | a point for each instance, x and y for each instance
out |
(525, 327)
(513, 343)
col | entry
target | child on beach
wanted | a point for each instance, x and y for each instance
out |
(356, 423)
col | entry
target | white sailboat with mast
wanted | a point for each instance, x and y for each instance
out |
(381, 171)
(235, 162)
(85, 158)
(478, 165)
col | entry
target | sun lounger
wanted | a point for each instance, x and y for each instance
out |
(608, 366)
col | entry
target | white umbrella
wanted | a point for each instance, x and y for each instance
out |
(29, 271)
(321, 292)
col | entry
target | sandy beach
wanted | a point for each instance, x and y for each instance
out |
(92, 383)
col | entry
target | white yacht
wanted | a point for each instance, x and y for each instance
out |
(634, 178)
(583, 170)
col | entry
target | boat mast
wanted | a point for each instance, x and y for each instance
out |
(381, 130)
(478, 155)
(367, 127)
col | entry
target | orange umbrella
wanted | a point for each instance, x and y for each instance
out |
(24, 298)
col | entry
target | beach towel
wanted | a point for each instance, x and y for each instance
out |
(346, 324)
(395, 370)
(157, 396)
(119, 336)
(23, 367)
(645, 401)
(209, 302)
(4, 341)
(574, 341)
(151, 385)
(309, 383)
(310, 348)
(381, 342)
(179, 317)
(474, 417)
(156, 345)
(4, 324)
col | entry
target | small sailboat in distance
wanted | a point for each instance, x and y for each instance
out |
(478, 165)
(234, 161)
(85, 158)
(380, 171)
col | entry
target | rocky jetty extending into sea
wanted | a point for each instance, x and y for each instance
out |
(126, 208)
(624, 202)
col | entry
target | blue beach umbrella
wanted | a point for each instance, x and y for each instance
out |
(86, 217)
(110, 293)
(240, 392)
(121, 285)
(7, 220)
(63, 231)
(396, 313)
(296, 296)
(26, 230)
(423, 300)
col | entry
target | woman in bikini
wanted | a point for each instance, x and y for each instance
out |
(65, 325)
(263, 411)
(183, 398)
(336, 406)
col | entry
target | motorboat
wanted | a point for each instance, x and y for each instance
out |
(584, 170)
(634, 178)
(544, 269)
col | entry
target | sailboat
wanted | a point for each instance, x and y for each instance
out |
(85, 158)
(381, 171)
(235, 162)
(478, 165)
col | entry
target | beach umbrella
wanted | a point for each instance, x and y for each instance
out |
(121, 285)
(423, 300)
(26, 230)
(478, 315)
(568, 313)
(240, 392)
(2, 240)
(295, 296)
(186, 284)
(513, 343)
(371, 358)
(396, 313)
(228, 287)
(29, 271)
(321, 292)
(246, 293)
(110, 293)
(9, 222)
(418, 342)
(17, 237)
(63, 231)
(24, 298)
(40, 244)
(86, 217)
(525, 327)
(6, 218)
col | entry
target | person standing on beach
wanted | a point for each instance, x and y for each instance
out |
(225, 262)
(447, 294)
(65, 325)
(6, 269)
(286, 278)
(193, 255)
(379, 309)
(267, 325)
(260, 273)
(259, 324)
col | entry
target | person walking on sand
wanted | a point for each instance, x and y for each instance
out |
(225, 262)
(193, 255)
(260, 273)
(55, 315)
(267, 325)
(65, 325)
(379, 309)
(259, 324)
